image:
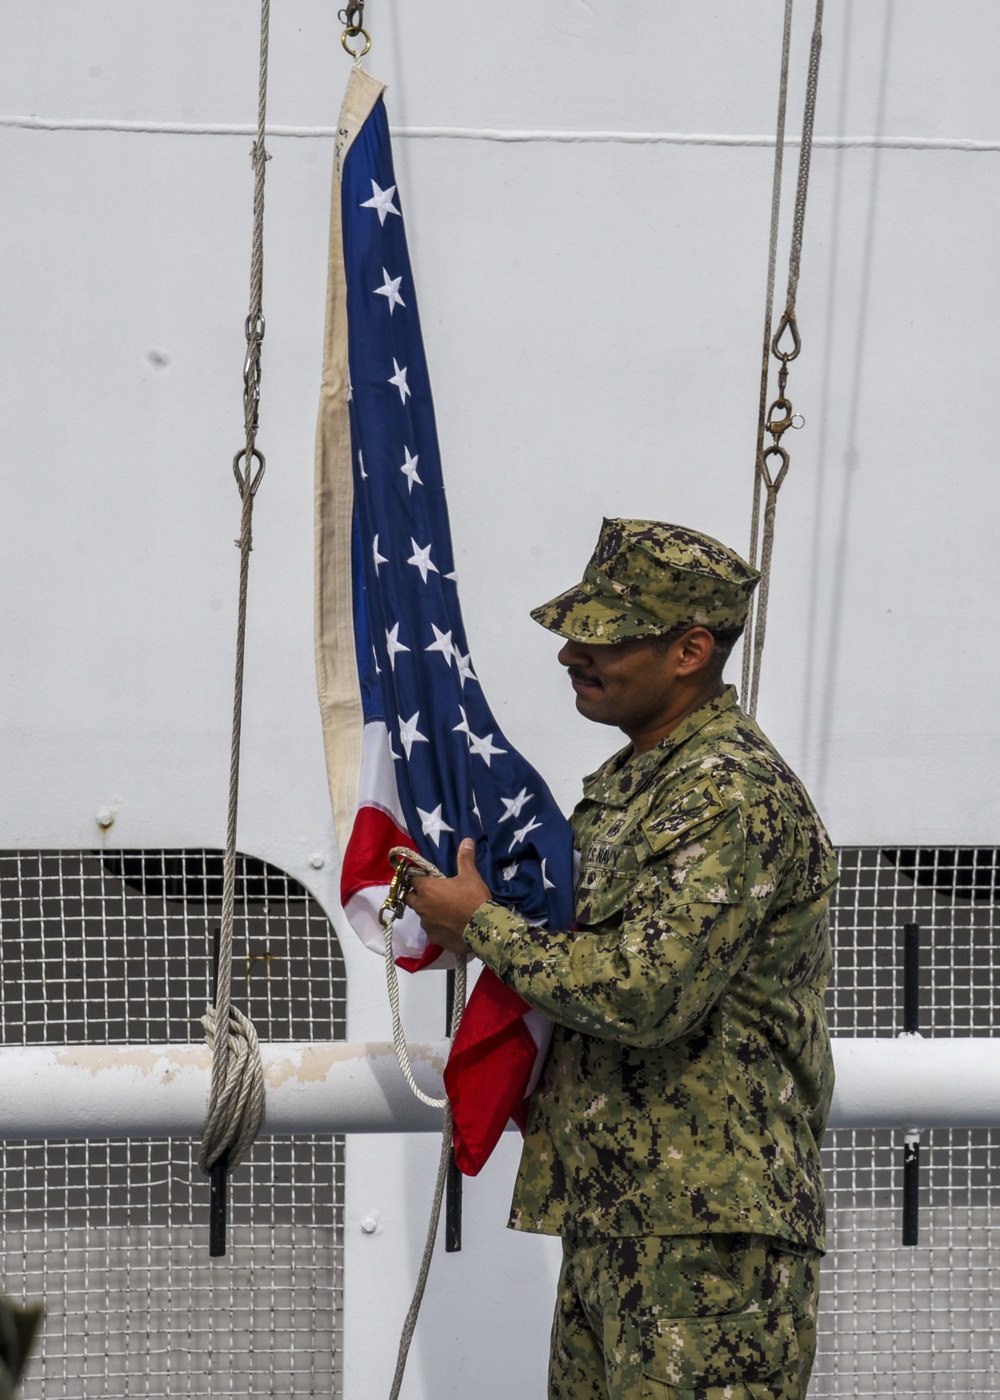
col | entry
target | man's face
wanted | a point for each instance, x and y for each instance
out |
(629, 684)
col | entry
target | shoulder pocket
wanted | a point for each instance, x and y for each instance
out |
(695, 806)
(699, 864)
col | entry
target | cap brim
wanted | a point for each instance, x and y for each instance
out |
(583, 614)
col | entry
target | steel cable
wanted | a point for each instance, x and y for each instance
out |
(771, 482)
(236, 1103)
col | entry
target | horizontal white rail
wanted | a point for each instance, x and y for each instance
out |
(914, 1083)
(120, 1091)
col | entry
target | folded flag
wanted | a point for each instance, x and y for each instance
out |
(414, 754)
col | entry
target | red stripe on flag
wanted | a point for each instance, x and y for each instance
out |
(366, 860)
(488, 1070)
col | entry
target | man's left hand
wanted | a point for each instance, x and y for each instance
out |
(446, 906)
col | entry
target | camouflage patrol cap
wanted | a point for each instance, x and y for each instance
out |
(645, 578)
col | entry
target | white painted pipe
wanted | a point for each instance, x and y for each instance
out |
(913, 1083)
(120, 1091)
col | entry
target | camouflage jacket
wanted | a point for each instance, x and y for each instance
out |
(690, 1074)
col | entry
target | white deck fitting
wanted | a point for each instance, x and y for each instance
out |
(119, 1091)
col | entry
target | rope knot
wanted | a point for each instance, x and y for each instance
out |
(236, 1106)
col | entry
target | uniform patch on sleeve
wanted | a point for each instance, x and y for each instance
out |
(698, 805)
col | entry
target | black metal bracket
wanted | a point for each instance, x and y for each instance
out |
(218, 1201)
(911, 1143)
(453, 1182)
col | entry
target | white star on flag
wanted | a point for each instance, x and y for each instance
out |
(350, 386)
(394, 644)
(432, 825)
(409, 734)
(361, 466)
(399, 379)
(464, 663)
(441, 643)
(378, 669)
(484, 747)
(381, 202)
(390, 290)
(462, 728)
(509, 871)
(520, 835)
(379, 559)
(409, 470)
(475, 808)
(546, 882)
(421, 559)
(513, 805)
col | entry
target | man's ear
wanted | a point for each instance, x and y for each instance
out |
(695, 651)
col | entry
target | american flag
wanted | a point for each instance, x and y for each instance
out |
(435, 765)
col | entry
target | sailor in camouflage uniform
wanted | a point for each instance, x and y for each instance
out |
(674, 1138)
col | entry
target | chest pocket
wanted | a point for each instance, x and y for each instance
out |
(607, 874)
(699, 866)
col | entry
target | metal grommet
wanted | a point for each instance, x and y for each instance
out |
(351, 32)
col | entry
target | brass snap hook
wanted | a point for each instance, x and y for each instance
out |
(776, 426)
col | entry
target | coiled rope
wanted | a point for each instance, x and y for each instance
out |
(777, 418)
(236, 1103)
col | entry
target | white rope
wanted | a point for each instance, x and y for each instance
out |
(512, 135)
(402, 860)
(425, 867)
(235, 1115)
(410, 1323)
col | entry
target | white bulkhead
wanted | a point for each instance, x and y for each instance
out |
(591, 306)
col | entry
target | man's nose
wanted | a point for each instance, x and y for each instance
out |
(573, 654)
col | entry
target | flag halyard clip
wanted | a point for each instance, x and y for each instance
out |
(352, 17)
(404, 862)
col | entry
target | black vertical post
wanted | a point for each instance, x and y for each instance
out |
(218, 1173)
(911, 1189)
(911, 1026)
(453, 1183)
(911, 979)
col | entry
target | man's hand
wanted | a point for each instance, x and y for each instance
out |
(446, 906)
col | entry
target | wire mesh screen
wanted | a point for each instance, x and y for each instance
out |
(923, 1321)
(114, 1236)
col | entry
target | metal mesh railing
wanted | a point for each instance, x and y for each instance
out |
(923, 1321)
(114, 1235)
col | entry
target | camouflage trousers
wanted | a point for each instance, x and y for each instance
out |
(713, 1317)
(18, 1326)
